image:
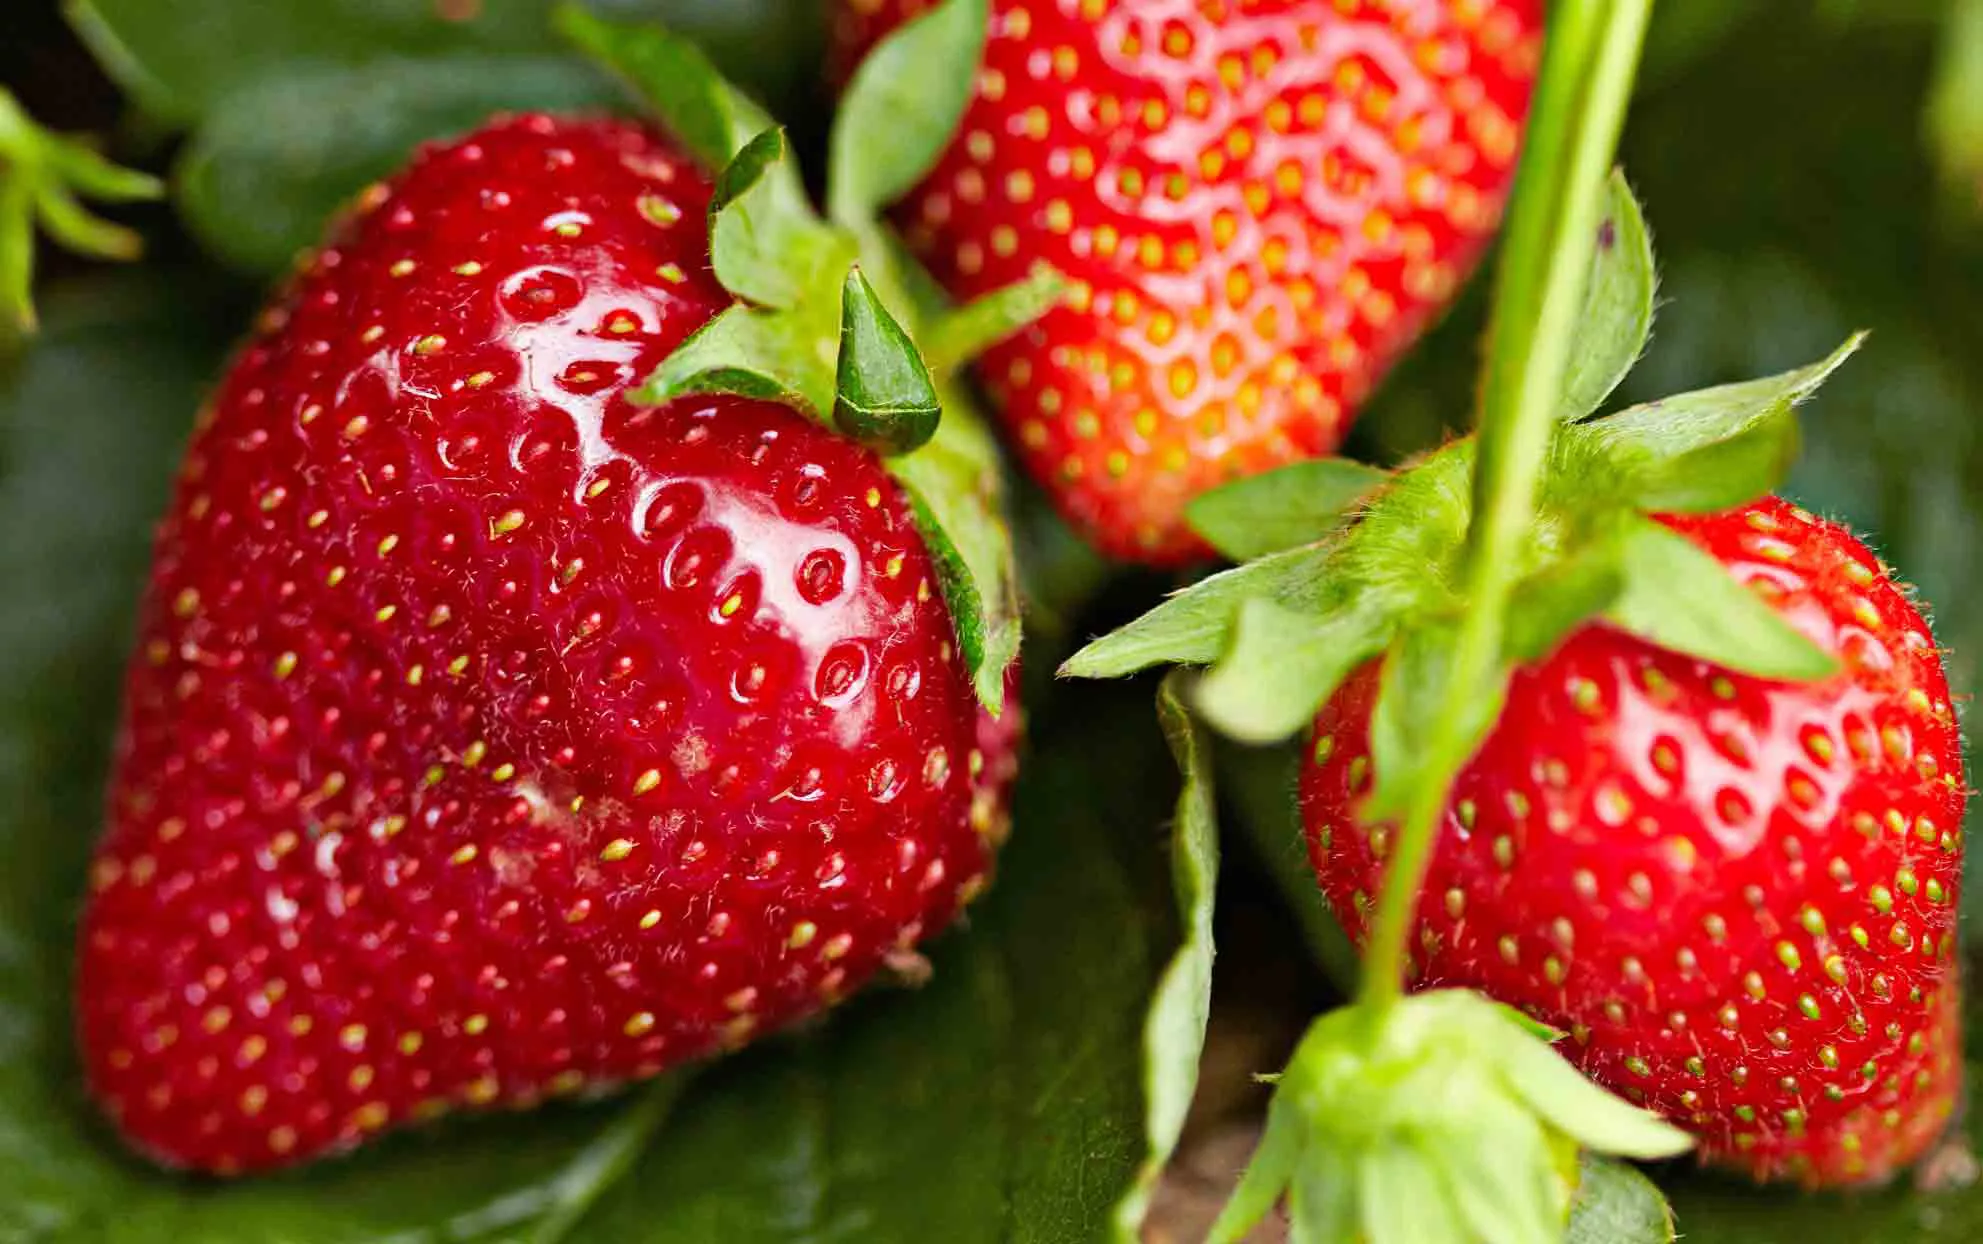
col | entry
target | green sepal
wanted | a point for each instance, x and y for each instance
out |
(1680, 598)
(1281, 509)
(751, 353)
(1697, 452)
(958, 492)
(886, 399)
(1558, 598)
(1410, 691)
(673, 76)
(902, 107)
(765, 244)
(45, 177)
(957, 336)
(1404, 1199)
(1280, 1162)
(1618, 305)
(1194, 626)
(1441, 1117)
(1281, 666)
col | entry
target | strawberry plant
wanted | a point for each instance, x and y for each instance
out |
(529, 742)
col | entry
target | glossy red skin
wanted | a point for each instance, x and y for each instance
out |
(1671, 831)
(1343, 164)
(611, 737)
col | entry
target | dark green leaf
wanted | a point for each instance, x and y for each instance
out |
(1195, 626)
(180, 59)
(1555, 600)
(1618, 1205)
(1281, 667)
(259, 179)
(1295, 505)
(1618, 305)
(886, 399)
(1007, 1100)
(752, 353)
(958, 491)
(904, 103)
(1679, 597)
(958, 336)
(1174, 1037)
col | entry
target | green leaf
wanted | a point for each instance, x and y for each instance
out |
(957, 336)
(1618, 305)
(1415, 688)
(259, 179)
(1680, 597)
(1282, 666)
(751, 353)
(1618, 1205)
(1707, 450)
(898, 113)
(1281, 509)
(1008, 1099)
(1955, 104)
(956, 485)
(1194, 626)
(711, 118)
(886, 399)
(180, 60)
(1174, 1037)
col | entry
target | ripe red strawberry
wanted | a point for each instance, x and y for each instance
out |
(1260, 203)
(1738, 896)
(489, 737)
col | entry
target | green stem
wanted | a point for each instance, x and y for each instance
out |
(1588, 66)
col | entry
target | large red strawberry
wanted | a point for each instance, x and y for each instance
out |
(1260, 203)
(1738, 896)
(492, 737)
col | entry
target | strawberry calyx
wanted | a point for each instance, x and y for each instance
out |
(44, 178)
(832, 318)
(1445, 1117)
(1350, 563)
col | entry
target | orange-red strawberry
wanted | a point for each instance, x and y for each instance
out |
(1259, 203)
(1738, 896)
(491, 737)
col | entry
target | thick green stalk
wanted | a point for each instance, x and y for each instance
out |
(1579, 108)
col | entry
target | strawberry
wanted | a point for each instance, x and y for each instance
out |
(491, 736)
(1259, 203)
(1737, 895)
